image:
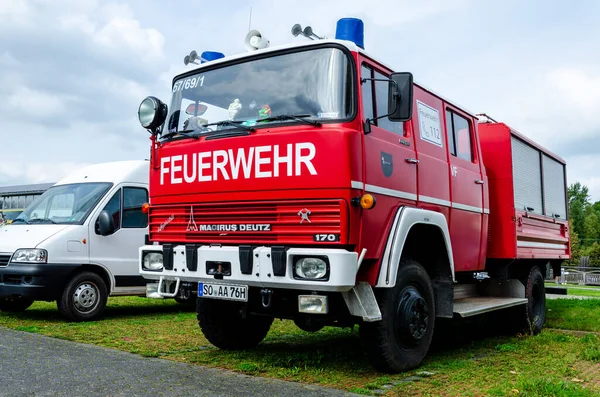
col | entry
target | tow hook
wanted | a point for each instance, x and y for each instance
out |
(266, 297)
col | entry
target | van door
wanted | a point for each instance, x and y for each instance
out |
(118, 252)
(389, 159)
(466, 188)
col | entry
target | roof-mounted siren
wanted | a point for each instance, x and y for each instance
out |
(306, 32)
(255, 41)
(351, 29)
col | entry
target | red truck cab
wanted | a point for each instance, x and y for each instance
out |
(311, 182)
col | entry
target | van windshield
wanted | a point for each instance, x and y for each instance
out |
(64, 204)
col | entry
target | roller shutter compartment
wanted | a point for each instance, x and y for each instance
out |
(527, 176)
(554, 188)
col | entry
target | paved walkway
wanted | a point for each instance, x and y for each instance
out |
(36, 365)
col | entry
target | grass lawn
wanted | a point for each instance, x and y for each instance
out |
(471, 360)
(581, 290)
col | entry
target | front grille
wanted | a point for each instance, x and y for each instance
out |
(244, 222)
(4, 260)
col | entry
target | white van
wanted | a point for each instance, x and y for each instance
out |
(78, 243)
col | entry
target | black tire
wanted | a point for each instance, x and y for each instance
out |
(15, 304)
(222, 324)
(84, 297)
(534, 314)
(399, 342)
(189, 301)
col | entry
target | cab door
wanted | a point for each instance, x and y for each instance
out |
(118, 251)
(389, 158)
(466, 190)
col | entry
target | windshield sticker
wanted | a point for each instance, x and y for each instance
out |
(328, 115)
(429, 124)
(190, 82)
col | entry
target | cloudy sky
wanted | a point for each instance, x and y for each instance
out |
(73, 72)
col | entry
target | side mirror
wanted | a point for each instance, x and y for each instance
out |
(400, 97)
(106, 225)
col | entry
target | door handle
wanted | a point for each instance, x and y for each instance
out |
(479, 182)
(412, 161)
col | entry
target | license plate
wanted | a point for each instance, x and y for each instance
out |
(223, 291)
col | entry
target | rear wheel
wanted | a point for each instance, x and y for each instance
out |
(224, 326)
(401, 340)
(535, 310)
(15, 304)
(84, 297)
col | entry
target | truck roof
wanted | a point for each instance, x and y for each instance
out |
(348, 44)
(115, 172)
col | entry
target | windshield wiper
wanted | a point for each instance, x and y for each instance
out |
(297, 117)
(40, 220)
(237, 124)
(19, 220)
(184, 132)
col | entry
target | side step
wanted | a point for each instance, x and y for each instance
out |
(467, 307)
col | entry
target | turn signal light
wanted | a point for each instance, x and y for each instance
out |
(367, 201)
(145, 208)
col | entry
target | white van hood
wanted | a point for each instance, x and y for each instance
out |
(13, 237)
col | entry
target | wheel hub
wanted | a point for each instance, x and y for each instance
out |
(85, 297)
(413, 317)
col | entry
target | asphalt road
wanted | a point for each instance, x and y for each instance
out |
(36, 365)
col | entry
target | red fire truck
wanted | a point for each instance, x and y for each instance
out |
(311, 182)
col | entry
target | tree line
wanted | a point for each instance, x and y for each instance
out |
(584, 226)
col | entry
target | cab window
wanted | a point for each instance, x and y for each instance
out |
(375, 100)
(459, 136)
(133, 199)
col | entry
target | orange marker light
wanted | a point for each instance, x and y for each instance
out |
(145, 208)
(84, 241)
(367, 201)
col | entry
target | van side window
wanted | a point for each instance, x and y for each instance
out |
(459, 136)
(367, 92)
(381, 93)
(133, 198)
(113, 207)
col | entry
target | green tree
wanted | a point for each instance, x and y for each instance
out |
(579, 201)
(593, 252)
(575, 248)
(591, 225)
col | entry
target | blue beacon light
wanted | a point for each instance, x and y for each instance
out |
(208, 56)
(351, 29)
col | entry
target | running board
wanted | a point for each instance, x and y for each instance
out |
(467, 307)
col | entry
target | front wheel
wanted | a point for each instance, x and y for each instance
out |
(224, 326)
(401, 340)
(15, 304)
(84, 297)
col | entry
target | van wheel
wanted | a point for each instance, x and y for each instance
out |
(84, 297)
(401, 340)
(15, 304)
(534, 314)
(222, 324)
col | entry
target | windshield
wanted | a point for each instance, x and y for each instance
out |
(314, 82)
(64, 204)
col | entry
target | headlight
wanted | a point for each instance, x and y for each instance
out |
(152, 113)
(153, 261)
(312, 268)
(30, 255)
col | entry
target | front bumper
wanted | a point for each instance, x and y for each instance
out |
(42, 281)
(257, 267)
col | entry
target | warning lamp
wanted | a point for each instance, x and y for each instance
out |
(366, 201)
(351, 29)
(145, 208)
